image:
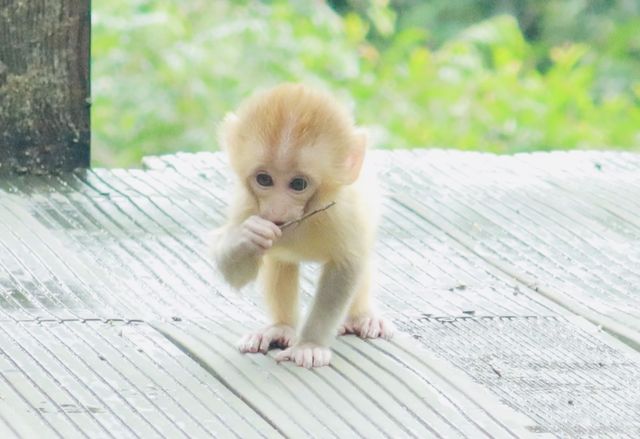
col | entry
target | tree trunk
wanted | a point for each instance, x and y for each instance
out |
(44, 85)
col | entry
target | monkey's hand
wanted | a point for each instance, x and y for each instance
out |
(274, 335)
(306, 355)
(256, 234)
(367, 326)
(238, 249)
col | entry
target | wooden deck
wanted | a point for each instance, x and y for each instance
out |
(514, 281)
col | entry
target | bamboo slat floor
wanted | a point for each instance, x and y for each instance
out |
(514, 282)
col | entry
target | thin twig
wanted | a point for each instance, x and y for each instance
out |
(299, 220)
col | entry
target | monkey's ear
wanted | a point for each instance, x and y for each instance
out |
(353, 164)
(227, 129)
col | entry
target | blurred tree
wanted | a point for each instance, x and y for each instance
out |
(420, 73)
(610, 27)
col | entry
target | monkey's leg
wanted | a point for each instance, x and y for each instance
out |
(362, 320)
(335, 290)
(280, 282)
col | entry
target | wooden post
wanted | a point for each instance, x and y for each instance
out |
(44, 85)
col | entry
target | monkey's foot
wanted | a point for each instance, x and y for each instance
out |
(306, 355)
(367, 326)
(273, 335)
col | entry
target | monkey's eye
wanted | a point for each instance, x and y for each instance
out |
(264, 179)
(298, 184)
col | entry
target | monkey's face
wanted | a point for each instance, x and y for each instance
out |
(282, 194)
(291, 145)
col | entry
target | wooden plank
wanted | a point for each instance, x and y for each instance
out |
(565, 224)
(98, 379)
(560, 372)
(364, 393)
(44, 85)
(471, 248)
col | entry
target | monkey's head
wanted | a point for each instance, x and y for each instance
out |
(291, 145)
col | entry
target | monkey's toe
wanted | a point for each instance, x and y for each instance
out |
(368, 326)
(306, 355)
(272, 336)
(249, 343)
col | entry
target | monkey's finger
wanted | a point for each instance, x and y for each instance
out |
(253, 344)
(277, 231)
(349, 328)
(284, 355)
(263, 243)
(363, 330)
(296, 357)
(242, 343)
(375, 328)
(260, 234)
(245, 343)
(317, 357)
(264, 228)
(304, 358)
(326, 357)
(320, 357)
(260, 229)
(270, 225)
(308, 358)
(265, 342)
(386, 329)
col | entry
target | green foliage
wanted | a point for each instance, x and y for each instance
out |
(165, 72)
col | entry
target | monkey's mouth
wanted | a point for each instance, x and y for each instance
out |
(279, 223)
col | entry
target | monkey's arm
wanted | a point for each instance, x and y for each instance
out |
(238, 249)
(237, 266)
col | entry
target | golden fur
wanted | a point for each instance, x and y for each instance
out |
(293, 132)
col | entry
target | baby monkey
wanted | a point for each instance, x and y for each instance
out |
(295, 150)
